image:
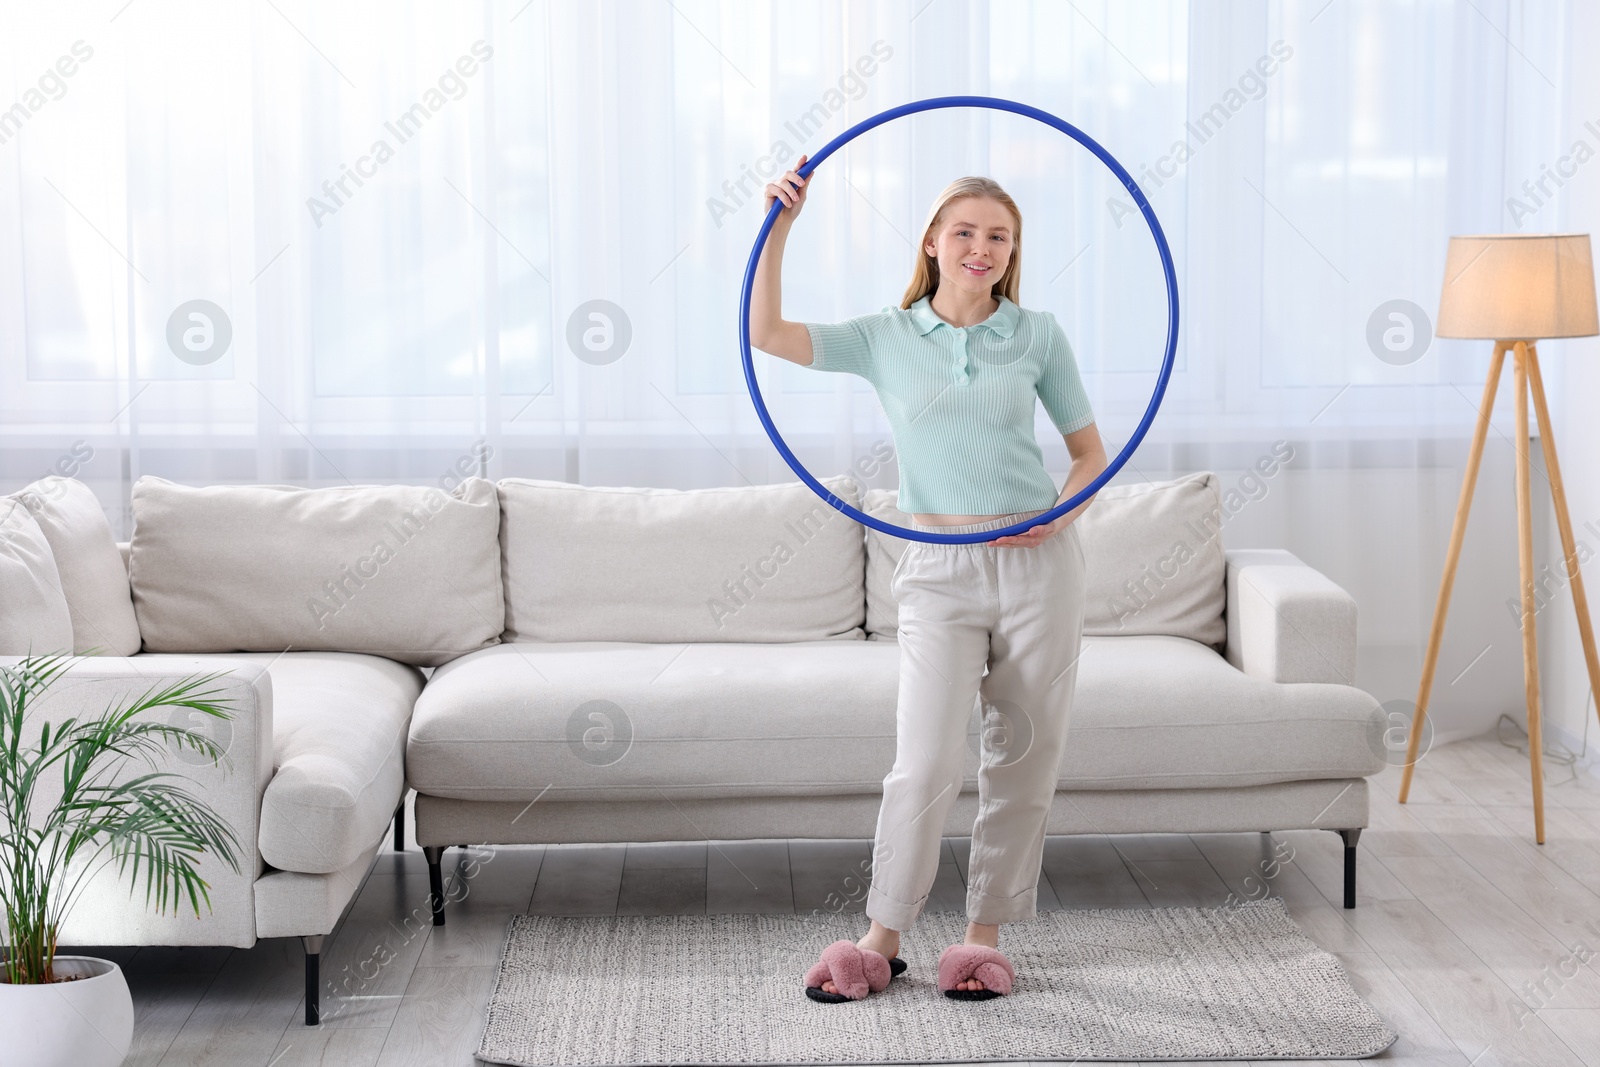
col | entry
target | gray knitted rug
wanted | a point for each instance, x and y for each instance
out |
(1230, 983)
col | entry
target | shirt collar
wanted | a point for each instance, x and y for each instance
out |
(1002, 322)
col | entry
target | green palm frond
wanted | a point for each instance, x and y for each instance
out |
(115, 806)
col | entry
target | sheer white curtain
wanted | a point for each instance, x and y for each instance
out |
(406, 213)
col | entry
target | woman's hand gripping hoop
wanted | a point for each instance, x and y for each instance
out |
(1161, 380)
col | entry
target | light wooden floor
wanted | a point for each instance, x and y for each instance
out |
(1459, 916)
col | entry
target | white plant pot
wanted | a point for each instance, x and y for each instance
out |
(87, 1022)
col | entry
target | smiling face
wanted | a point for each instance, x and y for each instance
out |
(973, 243)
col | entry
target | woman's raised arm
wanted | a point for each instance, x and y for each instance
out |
(769, 331)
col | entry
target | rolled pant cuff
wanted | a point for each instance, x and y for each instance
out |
(895, 914)
(990, 910)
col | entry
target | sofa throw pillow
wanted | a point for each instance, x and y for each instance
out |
(1154, 555)
(1154, 551)
(407, 572)
(746, 563)
(93, 576)
(33, 610)
(883, 556)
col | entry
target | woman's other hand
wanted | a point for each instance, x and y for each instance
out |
(1035, 536)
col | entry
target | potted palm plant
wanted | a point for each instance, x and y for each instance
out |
(78, 795)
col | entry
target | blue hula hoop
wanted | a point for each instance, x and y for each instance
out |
(1115, 465)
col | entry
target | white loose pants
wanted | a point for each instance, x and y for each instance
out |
(1019, 611)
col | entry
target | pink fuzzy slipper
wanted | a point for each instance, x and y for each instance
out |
(988, 965)
(855, 971)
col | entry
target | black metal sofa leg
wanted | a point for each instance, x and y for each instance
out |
(400, 826)
(1350, 839)
(435, 856)
(313, 946)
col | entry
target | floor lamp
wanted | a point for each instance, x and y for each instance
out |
(1514, 290)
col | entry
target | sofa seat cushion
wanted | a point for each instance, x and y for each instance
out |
(625, 721)
(339, 726)
(611, 720)
(1161, 712)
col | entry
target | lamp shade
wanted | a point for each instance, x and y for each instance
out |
(1511, 287)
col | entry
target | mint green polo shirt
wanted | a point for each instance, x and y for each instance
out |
(961, 401)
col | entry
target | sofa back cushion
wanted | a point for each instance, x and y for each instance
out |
(1154, 551)
(94, 578)
(1154, 555)
(750, 563)
(33, 610)
(407, 572)
(883, 556)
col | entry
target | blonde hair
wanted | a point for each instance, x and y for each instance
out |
(925, 271)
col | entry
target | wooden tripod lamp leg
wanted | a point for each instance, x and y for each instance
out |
(1530, 645)
(1569, 545)
(1452, 557)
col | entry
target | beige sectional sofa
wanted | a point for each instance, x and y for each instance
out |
(545, 663)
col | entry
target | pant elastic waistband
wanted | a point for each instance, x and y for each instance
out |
(990, 524)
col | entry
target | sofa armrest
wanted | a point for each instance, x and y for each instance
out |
(1287, 621)
(107, 913)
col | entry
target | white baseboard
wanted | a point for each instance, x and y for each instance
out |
(1589, 762)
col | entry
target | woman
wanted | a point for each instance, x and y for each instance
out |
(958, 367)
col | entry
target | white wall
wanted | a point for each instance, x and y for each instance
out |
(1572, 370)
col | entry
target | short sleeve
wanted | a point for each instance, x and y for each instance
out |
(1060, 386)
(845, 347)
